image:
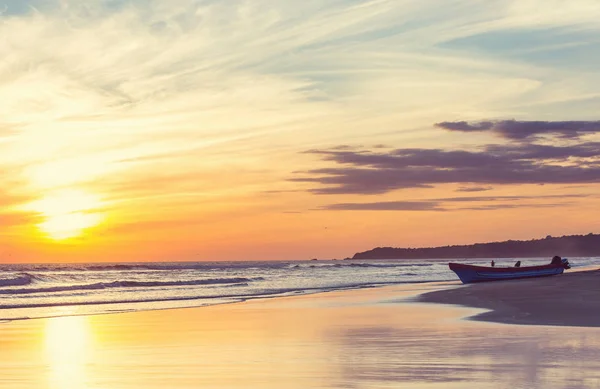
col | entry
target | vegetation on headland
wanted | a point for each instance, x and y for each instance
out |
(572, 245)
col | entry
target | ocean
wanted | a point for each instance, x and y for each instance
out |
(47, 290)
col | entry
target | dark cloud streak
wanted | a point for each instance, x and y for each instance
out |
(474, 189)
(386, 206)
(494, 207)
(519, 130)
(441, 204)
(368, 172)
(428, 206)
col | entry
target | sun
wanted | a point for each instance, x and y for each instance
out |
(61, 227)
(67, 213)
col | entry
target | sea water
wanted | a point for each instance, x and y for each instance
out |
(46, 290)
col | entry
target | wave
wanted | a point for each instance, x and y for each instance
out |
(183, 266)
(390, 265)
(126, 284)
(262, 294)
(149, 266)
(377, 265)
(20, 280)
(83, 268)
(112, 267)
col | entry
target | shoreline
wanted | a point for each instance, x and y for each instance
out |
(564, 300)
(403, 287)
(570, 299)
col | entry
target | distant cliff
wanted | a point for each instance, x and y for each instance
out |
(565, 246)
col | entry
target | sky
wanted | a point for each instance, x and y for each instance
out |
(261, 130)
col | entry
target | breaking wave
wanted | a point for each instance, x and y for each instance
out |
(124, 284)
(20, 280)
(375, 265)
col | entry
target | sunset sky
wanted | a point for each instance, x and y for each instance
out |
(277, 129)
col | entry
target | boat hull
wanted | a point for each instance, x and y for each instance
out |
(470, 274)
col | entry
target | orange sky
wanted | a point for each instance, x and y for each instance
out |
(205, 130)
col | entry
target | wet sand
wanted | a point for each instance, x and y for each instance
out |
(370, 338)
(571, 299)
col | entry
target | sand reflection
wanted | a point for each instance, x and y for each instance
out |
(67, 341)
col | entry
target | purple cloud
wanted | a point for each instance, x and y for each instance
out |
(369, 172)
(441, 204)
(507, 198)
(474, 189)
(465, 126)
(386, 206)
(519, 130)
(495, 207)
(400, 206)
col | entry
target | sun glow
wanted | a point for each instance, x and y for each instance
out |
(67, 213)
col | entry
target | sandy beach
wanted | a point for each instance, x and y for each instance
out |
(369, 338)
(567, 300)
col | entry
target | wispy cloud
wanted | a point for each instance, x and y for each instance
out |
(145, 102)
(448, 203)
(513, 129)
(386, 206)
(474, 189)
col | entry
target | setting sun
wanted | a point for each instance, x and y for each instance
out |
(62, 227)
(67, 214)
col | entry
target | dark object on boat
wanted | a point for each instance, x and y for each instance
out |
(518, 264)
(469, 273)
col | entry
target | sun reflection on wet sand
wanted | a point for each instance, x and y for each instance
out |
(68, 344)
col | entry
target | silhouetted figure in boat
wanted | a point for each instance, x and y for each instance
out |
(493, 263)
(518, 264)
(556, 260)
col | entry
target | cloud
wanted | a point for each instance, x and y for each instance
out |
(509, 198)
(147, 101)
(474, 189)
(369, 172)
(441, 204)
(344, 147)
(519, 130)
(386, 206)
(495, 207)
(465, 127)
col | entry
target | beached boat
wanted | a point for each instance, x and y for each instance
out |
(470, 273)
